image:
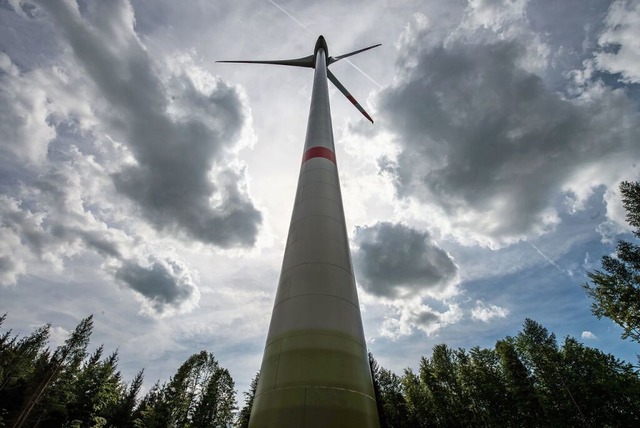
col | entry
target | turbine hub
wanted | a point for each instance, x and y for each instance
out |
(321, 43)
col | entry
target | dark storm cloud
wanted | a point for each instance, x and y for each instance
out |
(394, 260)
(163, 283)
(49, 222)
(490, 145)
(178, 146)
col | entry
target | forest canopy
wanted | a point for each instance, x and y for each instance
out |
(526, 380)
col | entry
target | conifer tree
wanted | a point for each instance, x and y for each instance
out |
(64, 362)
(245, 412)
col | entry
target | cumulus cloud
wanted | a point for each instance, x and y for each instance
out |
(494, 14)
(102, 141)
(487, 148)
(164, 284)
(404, 319)
(183, 176)
(587, 335)
(404, 268)
(395, 260)
(49, 221)
(621, 41)
(24, 131)
(485, 313)
(12, 257)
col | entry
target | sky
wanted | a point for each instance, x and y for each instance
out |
(145, 184)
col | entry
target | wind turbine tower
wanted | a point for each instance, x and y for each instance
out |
(315, 369)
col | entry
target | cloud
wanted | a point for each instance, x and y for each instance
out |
(620, 41)
(616, 222)
(20, 238)
(587, 335)
(102, 141)
(404, 318)
(485, 313)
(24, 130)
(494, 14)
(487, 148)
(403, 269)
(164, 284)
(49, 221)
(183, 174)
(394, 261)
(22, 8)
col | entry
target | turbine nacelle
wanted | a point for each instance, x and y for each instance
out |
(321, 43)
(309, 62)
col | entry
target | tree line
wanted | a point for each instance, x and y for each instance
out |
(524, 381)
(528, 380)
(70, 387)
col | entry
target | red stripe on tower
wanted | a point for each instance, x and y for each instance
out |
(319, 152)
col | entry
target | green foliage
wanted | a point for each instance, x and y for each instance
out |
(525, 381)
(245, 413)
(123, 413)
(45, 396)
(523, 405)
(484, 385)
(392, 407)
(95, 391)
(528, 380)
(616, 290)
(631, 200)
(70, 388)
(200, 394)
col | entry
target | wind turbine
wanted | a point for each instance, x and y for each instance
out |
(315, 368)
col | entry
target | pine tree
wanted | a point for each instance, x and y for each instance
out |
(124, 412)
(95, 391)
(245, 413)
(18, 367)
(62, 365)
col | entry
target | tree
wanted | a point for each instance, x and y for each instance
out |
(57, 370)
(524, 407)
(392, 407)
(95, 391)
(18, 367)
(604, 390)
(419, 402)
(123, 414)
(616, 290)
(217, 402)
(539, 350)
(245, 412)
(152, 411)
(201, 393)
(484, 384)
(441, 376)
(72, 389)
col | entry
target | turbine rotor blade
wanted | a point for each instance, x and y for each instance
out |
(307, 61)
(339, 57)
(346, 93)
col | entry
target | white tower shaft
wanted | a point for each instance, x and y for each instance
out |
(315, 369)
